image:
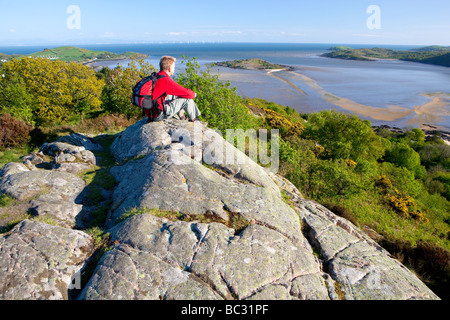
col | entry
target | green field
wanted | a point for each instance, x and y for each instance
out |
(74, 54)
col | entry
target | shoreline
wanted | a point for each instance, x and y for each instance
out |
(426, 115)
(427, 129)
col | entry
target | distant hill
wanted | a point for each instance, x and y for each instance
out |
(74, 54)
(431, 55)
(442, 60)
(433, 48)
(4, 57)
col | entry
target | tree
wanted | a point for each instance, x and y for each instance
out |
(15, 99)
(344, 136)
(219, 104)
(331, 178)
(404, 156)
(116, 95)
(435, 155)
(58, 89)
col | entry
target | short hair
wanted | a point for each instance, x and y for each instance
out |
(166, 62)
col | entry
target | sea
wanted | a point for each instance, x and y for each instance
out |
(386, 92)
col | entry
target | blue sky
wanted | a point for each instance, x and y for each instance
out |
(409, 22)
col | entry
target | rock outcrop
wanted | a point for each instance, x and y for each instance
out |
(191, 217)
(38, 261)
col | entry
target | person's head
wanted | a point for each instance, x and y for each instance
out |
(167, 64)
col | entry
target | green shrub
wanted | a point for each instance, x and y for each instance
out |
(404, 156)
(13, 132)
(50, 90)
(344, 136)
(219, 104)
(119, 83)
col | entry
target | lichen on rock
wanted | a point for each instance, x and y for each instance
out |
(232, 229)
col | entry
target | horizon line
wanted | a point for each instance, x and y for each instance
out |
(212, 42)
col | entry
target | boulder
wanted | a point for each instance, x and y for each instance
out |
(11, 168)
(155, 258)
(81, 140)
(50, 193)
(191, 218)
(64, 152)
(364, 270)
(41, 262)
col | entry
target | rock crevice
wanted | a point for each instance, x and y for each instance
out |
(182, 226)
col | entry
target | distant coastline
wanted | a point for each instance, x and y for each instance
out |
(295, 77)
(425, 115)
(436, 55)
(75, 54)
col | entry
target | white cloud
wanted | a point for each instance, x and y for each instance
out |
(107, 35)
(296, 34)
(12, 30)
(368, 35)
(177, 33)
(232, 32)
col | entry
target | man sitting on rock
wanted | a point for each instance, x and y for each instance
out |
(173, 98)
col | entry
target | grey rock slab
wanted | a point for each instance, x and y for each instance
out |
(38, 261)
(257, 263)
(364, 270)
(51, 193)
(194, 189)
(65, 152)
(125, 273)
(11, 168)
(81, 140)
(261, 257)
(139, 140)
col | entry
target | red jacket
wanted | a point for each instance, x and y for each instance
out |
(166, 86)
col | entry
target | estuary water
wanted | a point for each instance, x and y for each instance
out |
(395, 93)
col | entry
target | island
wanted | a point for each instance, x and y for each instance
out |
(253, 64)
(437, 55)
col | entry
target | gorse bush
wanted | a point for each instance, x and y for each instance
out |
(46, 91)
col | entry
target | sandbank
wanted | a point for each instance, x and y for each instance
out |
(435, 111)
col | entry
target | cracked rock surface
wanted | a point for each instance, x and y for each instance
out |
(364, 269)
(49, 193)
(184, 223)
(269, 259)
(37, 261)
(181, 260)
